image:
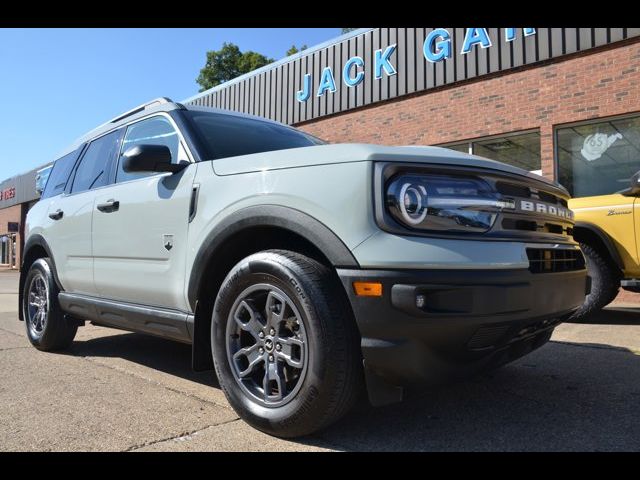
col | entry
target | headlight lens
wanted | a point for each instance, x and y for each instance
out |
(443, 203)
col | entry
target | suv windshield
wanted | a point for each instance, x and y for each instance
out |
(226, 135)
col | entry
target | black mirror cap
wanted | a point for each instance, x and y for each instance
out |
(634, 187)
(149, 158)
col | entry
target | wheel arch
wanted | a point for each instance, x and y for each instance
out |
(34, 248)
(248, 231)
(586, 232)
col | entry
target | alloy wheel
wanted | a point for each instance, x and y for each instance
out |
(267, 345)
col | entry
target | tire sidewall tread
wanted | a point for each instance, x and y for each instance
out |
(58, 332)
(330, 334)
(605, 283)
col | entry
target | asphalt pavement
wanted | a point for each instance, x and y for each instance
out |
(121, 391)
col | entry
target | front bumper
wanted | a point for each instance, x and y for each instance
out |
(471, 319)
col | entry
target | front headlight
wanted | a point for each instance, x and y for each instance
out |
(443, 202)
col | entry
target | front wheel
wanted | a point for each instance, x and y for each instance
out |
(47, 327)
(285, 346)
(605, 283)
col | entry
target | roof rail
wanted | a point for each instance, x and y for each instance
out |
(140, 108)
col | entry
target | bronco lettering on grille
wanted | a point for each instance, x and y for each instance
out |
(545, 208)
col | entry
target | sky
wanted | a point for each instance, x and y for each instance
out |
(57, 84)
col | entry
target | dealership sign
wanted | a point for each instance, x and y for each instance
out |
(436, 48)
(7, 193)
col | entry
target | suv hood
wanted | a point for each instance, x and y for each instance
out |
(361, 152)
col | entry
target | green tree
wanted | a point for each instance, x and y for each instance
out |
(228, 63)
(295, 49)
(347, 30)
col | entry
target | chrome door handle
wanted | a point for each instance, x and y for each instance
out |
(109, 206)
(57, 215)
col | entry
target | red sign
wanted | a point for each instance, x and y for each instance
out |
(7, 193)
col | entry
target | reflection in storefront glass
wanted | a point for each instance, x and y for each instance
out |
(4, 250)
(598, 158)
(520, 150)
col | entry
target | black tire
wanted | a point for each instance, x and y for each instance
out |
(333, 377)
(605, 283)
(56, 333)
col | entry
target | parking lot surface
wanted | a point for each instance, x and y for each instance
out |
(115, 390)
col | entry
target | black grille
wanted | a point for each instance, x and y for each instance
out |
(532, 226)
(548, 260)
(513, 190)
(522, 191)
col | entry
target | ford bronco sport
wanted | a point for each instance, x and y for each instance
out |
(299, 270)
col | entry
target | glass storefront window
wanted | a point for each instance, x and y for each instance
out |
(598, 158)
(461, 147)
(520, 149)
(8, 250)
(4, 249)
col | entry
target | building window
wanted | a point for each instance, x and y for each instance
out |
(518, 149)
(598, 158)
(8, 250)
(466, 147)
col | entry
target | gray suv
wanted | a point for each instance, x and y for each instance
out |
(301, 271)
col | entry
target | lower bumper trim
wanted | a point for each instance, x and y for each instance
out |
(433, 325)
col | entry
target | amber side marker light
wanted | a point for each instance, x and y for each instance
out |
(368, 289)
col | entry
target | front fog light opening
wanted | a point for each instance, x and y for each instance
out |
(421, 301)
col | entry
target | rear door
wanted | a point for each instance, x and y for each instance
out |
(139, 244)
(68, 232)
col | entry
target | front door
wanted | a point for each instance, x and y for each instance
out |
(140, 225)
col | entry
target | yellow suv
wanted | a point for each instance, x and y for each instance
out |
(607, 229)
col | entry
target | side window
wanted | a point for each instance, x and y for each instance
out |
(153, 131)
(93, 171)
(60, 174)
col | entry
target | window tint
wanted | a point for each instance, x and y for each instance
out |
(154, 131)
(231, 135)
(598, 158)
(59, 175)
(93, 171)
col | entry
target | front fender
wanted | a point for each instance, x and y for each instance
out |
(278, 216)
(34, 241)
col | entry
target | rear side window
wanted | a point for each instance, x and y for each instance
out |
(93, 171)
(60, 174)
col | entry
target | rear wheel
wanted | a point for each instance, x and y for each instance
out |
(285, 347)
(47, 327)
(605, 283)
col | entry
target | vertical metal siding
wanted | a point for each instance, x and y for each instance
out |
(369, 74)
(360, 86)
(271, 92)
(394, 80)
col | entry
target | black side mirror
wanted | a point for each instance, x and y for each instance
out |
(634, 188)
(150, 158)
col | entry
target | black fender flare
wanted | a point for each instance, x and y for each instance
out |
(34, 240)
(286, 218)
(606, 240)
